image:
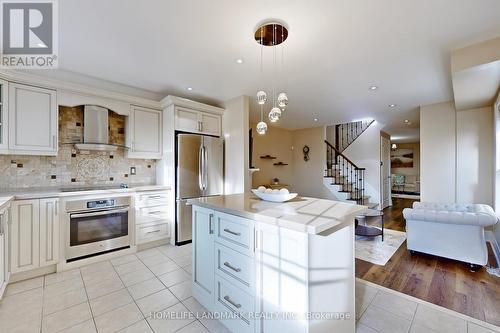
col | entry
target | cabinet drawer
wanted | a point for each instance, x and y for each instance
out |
(235, 232)
(235, 267)
(152, 199)
(152, 214)
(229, 298)
(148, 233)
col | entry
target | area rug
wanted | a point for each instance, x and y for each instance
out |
(372, 249)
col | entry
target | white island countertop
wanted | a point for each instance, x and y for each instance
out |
(314, 216)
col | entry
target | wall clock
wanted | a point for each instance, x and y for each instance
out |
(306, 150)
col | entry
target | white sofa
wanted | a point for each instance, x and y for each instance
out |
(454, 231)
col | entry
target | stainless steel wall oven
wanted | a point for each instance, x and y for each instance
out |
(97, 225)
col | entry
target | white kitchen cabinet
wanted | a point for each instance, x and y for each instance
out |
(210, 124)
(203, 256)
(187, 120)
(4, 249)
(34, 234)
(33, 120)
(4, 119)
(25, 235)
(194, 121)
(152, 216)
(49, 231)
(145, 133)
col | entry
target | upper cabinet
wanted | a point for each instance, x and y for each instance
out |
(193, 121)
(144, 134)
(3, 116)
(33, 120)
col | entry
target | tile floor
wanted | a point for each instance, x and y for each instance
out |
(119, 296)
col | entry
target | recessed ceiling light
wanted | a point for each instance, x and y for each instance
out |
(316, 119)
(189, 89)
(239, 61)
(392, 105)
(373, 87)
(407, 121)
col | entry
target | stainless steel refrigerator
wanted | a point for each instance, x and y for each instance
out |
(199, 173)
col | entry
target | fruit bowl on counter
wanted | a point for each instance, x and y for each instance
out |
(275, 195)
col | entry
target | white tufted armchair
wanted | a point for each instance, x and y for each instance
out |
(454, 231)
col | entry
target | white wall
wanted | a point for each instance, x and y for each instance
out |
(437, 152)
(276, 142)
(497, 166)
(235, 122)
(475, 153)
(308, 176)
(456, 154)
(365, 153)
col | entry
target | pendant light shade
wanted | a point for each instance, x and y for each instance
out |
(261, 128)
(282, 100)
(274, 115)
(261, 97)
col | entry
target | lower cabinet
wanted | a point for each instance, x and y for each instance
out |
(4, 249)
(49, 232)
(152, 216)
(35, 234)
(203, 256)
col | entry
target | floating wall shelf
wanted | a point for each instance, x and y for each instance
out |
(268, 157)
(280, 163)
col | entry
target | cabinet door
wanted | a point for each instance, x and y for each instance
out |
(25, 235)
(146, 133)
(203, 256)
(3, 250)
(187, 120)
(3, 116)
(210, 124)
(32, 120)
(49, 231)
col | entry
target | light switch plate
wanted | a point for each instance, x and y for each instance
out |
(132, 170)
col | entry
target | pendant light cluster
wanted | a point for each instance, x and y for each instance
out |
(271, 34)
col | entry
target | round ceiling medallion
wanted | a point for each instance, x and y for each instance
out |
(271, 34)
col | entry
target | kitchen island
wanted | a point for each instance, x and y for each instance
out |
(275, 267)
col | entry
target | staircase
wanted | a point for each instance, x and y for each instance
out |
(347, 133)
(342, 176)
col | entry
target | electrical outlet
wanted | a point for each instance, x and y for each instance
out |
(132, 170)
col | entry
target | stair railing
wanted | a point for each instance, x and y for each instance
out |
(345, 173)
(345, 134)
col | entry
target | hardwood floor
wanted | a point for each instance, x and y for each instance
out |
(437, 280)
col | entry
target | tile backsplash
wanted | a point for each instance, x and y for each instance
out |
(72, 167)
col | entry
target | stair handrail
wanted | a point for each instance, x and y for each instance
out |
(358, 134)
(345, 157)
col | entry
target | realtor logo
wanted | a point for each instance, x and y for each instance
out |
(29, 34)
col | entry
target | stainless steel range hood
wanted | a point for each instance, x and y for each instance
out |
(95, 130)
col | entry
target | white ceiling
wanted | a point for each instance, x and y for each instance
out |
(335, 51)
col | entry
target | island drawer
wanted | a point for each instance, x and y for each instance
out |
(235, 267)
(240, 304)
(235, 232)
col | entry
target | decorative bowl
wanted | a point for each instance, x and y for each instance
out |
(274, 197)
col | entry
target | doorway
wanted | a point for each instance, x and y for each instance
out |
(385, 171)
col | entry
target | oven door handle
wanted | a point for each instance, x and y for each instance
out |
(102, 212)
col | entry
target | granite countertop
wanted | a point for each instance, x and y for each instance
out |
(51, 192)
(314, 216)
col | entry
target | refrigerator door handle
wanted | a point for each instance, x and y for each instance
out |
(200, 168)
(205, 168)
